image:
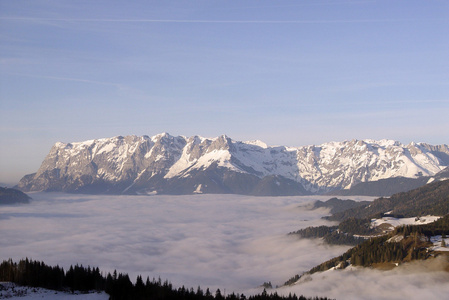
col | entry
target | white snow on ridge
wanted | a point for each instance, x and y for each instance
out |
(404, 221)
(257, 143)
(268, 161)
(180, 165)
(108, 148)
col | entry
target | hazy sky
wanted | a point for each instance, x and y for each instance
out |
(285, 72)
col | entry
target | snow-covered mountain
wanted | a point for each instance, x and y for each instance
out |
(181, 165)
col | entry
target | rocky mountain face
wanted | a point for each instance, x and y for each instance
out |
(167, 164)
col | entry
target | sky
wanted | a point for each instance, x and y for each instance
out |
(290, 73)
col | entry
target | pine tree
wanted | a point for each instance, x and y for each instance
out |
(218, 294)
(208, 293)
(199, 292)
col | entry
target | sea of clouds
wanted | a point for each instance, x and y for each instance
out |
(230, 242)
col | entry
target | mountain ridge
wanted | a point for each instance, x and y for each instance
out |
(387, 247)
(168, 164)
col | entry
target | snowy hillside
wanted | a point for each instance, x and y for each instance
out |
(10, 291)
(181, 165)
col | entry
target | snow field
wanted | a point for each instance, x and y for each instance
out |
(12, 291)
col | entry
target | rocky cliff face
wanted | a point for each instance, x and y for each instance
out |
(181, 165)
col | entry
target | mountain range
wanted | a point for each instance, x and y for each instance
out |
(165, 164)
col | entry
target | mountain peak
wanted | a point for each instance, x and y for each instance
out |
(258, 143)
(160, 136)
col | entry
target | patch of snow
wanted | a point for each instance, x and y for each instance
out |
(180, 165)
(431, 180)
(9, 290)
(134, 182)
(159, 136)
(198, 189)
(337, 267)
(396, 239)
(148, 193)
(108, 148)
(159, 157)
(404, 221)
(257, 143)
(436, 240)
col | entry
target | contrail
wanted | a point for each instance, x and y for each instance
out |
(208, 21)
(66, 79)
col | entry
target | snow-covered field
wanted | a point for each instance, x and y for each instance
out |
(230, 242)
(395, 222)
(12, 291)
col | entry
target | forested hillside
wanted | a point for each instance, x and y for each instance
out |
(338, 205)
(330, 234)
(383, 187)
(404, 244)
(431, 199)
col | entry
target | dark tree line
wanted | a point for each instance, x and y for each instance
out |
(344, 234)
(32, 273)
(357, 226)
(315, 232)
(119, 286)
(431, 199)
(337, 205)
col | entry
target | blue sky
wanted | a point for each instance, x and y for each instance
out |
(285, 72)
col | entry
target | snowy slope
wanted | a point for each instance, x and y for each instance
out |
(157, 164)
(10, 290)
(395, 222)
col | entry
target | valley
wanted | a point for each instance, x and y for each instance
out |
(230, 242)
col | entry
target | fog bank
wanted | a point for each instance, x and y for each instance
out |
(226, 241)
(416, 280)
(235, 243)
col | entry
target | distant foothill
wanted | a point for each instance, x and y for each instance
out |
(13, 196)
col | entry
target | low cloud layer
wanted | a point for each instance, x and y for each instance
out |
(218, 241)
(417, 280)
